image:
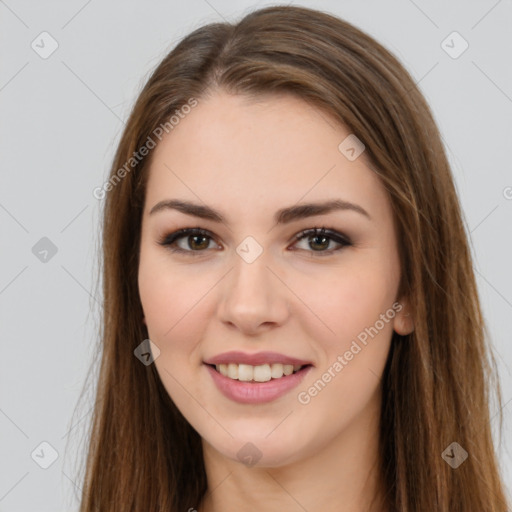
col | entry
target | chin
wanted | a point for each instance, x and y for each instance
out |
(260, 450)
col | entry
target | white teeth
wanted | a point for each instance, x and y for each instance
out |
(287, 369)
(276, 370)
(245, 372)
(233, 371)
(260, 373)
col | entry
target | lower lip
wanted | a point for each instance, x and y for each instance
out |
(256, 392)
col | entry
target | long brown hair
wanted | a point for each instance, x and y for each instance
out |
(438, 381)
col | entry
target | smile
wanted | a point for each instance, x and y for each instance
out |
(259, 373)
(252, 391)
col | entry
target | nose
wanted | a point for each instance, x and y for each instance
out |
(253, 298)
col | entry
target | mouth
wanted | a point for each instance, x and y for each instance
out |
(257, 373)
(247, 384)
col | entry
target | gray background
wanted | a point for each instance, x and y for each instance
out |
(61, 118)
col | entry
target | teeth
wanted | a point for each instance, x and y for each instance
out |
(245, 372)
(232, 371)
(260, 373)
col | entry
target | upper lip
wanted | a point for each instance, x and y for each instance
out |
(258, 358)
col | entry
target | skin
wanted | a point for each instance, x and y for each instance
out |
(249, 158)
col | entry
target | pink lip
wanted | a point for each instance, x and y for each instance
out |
(254, 359)
(256, 392)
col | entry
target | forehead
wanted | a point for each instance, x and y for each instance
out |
(256, 152)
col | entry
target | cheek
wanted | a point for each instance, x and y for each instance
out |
(346, 300)
(175, 313)
(172, 304)
(356, 304)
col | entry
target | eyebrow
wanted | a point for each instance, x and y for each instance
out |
(283, 216)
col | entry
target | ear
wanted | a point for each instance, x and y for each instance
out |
(403, 323)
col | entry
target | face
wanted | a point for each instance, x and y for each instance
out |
(252, 276)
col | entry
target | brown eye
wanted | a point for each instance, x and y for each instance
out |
(189, 240)
(198, 242)
(195, 241)
(319, 240)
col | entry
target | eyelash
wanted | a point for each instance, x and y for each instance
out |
(170, 239)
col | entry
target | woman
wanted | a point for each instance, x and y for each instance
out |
(291, 318)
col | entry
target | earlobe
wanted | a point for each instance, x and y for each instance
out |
(403, 323)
